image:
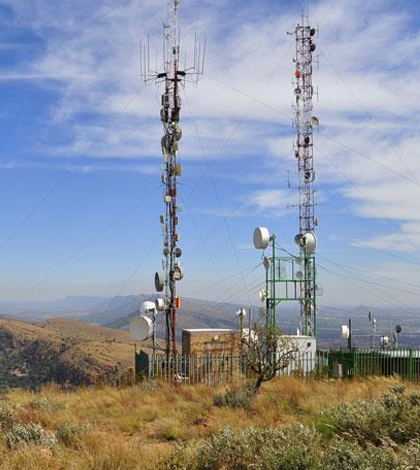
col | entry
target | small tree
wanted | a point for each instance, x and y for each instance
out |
(267, 351)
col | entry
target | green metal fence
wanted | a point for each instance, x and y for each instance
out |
(213, 370)
(404, 362)
(220, 369)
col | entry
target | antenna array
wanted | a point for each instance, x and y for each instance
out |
(173, 77)
(305, 123)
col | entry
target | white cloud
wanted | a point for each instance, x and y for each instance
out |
(274, 202)
(368, 100)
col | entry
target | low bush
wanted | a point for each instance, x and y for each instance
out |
(396, 415)
(350, 455)
(31, 433)
(7, 416)
(170, 434)
(241, 398)
(69, 433)
(45, 404)
(379, 434)
(294, 447)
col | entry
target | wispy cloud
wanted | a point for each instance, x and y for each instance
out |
(366, 151)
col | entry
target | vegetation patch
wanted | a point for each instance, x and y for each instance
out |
(70, 433)
(378, 434)
(357, 424)
(21, 435)
(241, 398)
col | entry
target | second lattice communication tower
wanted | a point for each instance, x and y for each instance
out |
(305, 123)
(289, 277)
(173, 77)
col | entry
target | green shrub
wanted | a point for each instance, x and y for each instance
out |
(31, 433)
(7, 415)
(235, 398)
(45, 404)
(410, 455)
(170, 434)
(349, 455)
(396, 416)
(294, 447)
(69, 433)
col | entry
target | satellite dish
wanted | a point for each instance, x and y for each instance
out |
(314, 121)
(298, 238)
(308, 243)
(178, 252)
(319, 290)
(159, 281)
(148, 307)
(141, 328)
(160, 305)
(261, 238)
(398, 329)
(299, 275)
(384, 340)
(241, 313)
(266, 263)
(262, 294)
(345, 332)
(178, 272)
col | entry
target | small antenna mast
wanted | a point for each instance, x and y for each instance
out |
(172, 77)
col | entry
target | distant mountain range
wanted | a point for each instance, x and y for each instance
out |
(116, 312)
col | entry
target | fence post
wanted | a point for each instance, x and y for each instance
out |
(410, 365)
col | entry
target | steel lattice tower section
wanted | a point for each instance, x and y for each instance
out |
(173, 78)
(305, 122)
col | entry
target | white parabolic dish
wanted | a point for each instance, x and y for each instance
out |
(141, 328)
(261, 238)
(345, 332)
(309, 242)
(147, 307)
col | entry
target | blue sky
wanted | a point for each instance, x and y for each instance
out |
(80, 148)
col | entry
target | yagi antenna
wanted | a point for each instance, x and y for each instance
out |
(191, 72)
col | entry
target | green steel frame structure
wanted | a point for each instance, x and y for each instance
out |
(286, 281)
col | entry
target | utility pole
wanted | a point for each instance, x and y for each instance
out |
(173, 77)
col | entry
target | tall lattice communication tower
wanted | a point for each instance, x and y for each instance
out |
(305, 123)
(173, 76)
(291, 278)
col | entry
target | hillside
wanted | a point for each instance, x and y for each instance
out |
(60, 350)
(292, 424)
(116, 312)
(193, 314)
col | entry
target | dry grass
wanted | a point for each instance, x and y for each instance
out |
(134, 428)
